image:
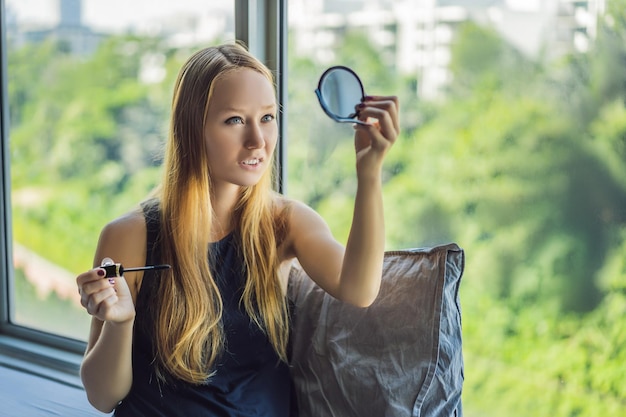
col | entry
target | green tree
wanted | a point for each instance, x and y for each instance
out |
(85, 139)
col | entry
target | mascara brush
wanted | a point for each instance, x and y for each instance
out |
(117, 270)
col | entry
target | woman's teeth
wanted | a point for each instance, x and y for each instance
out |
(251, 162)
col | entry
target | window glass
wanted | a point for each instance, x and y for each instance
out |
(89, 88)
(513, 147)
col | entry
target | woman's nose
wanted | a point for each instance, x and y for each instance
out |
(254, 138)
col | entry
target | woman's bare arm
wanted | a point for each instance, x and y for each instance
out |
(106, 370)
(353, 273)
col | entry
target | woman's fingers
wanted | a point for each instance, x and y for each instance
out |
(94, 288)
(100, 300)
(385, 128)
(84, 282)
(385, 111)
(107, 299)
(105, 305)
(389, 104)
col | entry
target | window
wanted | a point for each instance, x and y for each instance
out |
(513, 147)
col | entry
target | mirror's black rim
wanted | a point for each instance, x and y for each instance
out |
(351, 119)
(343, 67)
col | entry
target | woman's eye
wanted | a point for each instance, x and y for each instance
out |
(234, 121)
(268, 118)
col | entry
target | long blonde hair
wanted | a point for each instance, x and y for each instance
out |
(188, 310)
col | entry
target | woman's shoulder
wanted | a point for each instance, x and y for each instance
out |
(131, 224)
(286, 205)
(294, 211)
(124, 241)
(124, 238)
(299, 223)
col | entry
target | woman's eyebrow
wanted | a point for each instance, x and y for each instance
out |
(237, 109)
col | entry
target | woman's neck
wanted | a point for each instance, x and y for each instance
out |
(223, 202)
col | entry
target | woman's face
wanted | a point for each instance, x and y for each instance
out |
(241, 129)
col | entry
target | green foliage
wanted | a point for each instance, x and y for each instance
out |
(524, 361)
(483, 62)
(513, 178)
(86, 138)
(359, 53)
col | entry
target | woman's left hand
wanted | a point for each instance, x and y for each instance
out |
(374, 140)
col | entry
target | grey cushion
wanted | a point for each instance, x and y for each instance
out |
(401, 356)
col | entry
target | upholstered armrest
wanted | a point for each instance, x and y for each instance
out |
(401, 356)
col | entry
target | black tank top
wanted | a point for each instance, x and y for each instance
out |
(250, 380)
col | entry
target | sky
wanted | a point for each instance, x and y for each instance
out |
(113, 14)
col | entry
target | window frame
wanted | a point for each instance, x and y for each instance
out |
(263, 26)
(260, 24)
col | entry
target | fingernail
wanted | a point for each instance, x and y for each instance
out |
(101, 272)
(367, 98)
(360, 105)
(112, 281)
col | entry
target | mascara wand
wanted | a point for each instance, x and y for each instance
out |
(117, 270)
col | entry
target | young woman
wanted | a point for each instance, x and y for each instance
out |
(208, 337)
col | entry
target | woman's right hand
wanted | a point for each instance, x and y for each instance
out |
(107, 299)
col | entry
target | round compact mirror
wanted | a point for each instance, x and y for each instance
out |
(339, 91)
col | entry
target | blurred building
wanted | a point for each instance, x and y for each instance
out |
(180, 26)
(416, 35)
(548, 28)
(413, 35)
(67, 28)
